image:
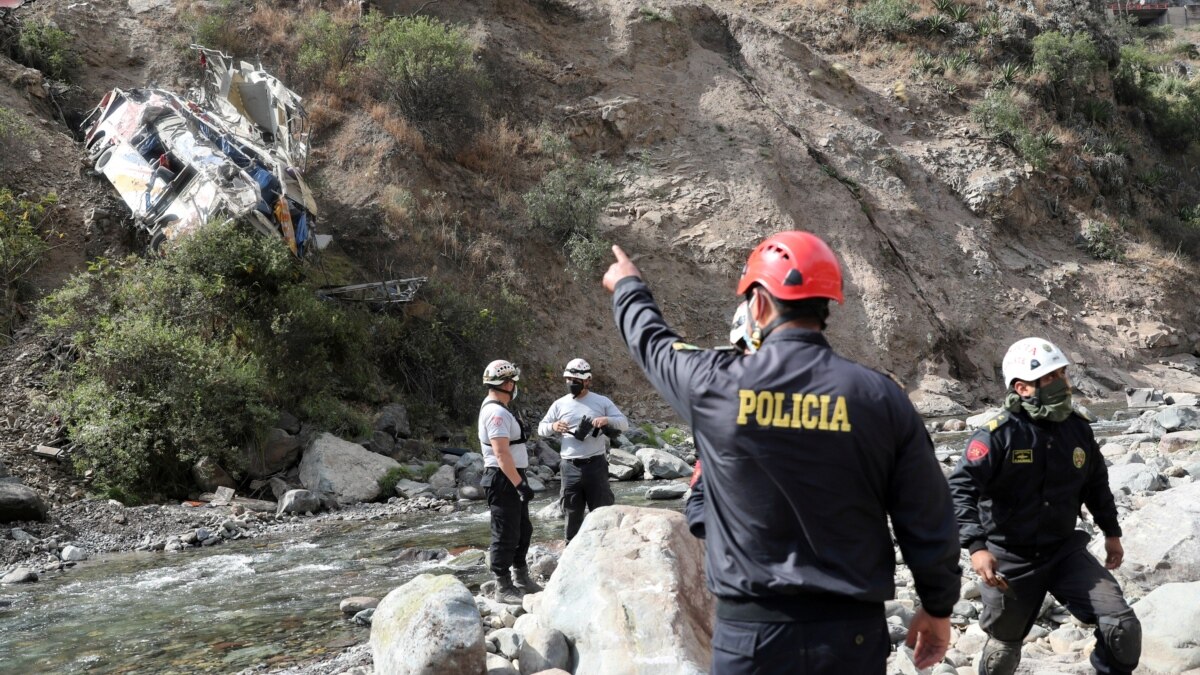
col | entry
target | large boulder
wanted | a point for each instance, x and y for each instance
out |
(347, 471)
(209, 475)
(661, 464)
(277, 452)
(393, 420)
(1135, 478)
(542, 648)
(468, 470)
(299, 501)
(18, 502)
(1162, 539)
(547, 455)
(443, 478)
(429, 626)
(640, 574)
(1170, 617)
(668, 491)
(1177, 441)
(1178, 418)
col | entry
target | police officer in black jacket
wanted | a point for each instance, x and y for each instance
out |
(1017, 492)
(805, 456)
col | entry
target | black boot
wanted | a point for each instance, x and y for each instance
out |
(506, 592)
(524, 581)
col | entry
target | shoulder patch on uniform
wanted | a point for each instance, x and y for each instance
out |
(684, 347)
(994, 423)
(977, 450)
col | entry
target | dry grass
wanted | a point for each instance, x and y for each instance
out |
(398, 128)
(274, 27)
(500, 152)
(325, 111)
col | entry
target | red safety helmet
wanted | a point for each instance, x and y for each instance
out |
(793, 266)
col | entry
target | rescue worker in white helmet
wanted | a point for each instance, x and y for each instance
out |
(502, 437)
(584, 421)
(1017, 490)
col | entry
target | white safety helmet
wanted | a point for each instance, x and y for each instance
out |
(1030, 359)
(500, 371)
(737, 327)
(578, 369)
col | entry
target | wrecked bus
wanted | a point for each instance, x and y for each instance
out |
(234, 149)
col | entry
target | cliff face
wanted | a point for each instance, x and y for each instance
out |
(727, 121)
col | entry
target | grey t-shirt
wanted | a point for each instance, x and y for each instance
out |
(495, 421)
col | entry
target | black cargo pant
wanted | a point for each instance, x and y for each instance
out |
(511, 528)
(584, 485)
(1076, 579)
(855, 643)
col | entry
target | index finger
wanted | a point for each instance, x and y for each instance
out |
(620, 254)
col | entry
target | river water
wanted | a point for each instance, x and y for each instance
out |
(273, 599)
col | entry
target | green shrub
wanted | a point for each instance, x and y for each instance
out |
(569, 200)
(215, 27)
(889, 18)
(586, 256)
(12, 128)
(387, 484)
(23, 242)
(42, 45)
(327, 45)
(1103, 240)
(189, 356)
(1071, 62)
(427, 471)
(428, 69)
(1000, 115)
(1171, 105)
(437, 357)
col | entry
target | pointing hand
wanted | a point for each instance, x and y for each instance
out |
(617, 271)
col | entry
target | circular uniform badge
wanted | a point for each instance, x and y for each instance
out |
(1079, 457)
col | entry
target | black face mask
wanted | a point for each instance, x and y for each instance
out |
(575, 388)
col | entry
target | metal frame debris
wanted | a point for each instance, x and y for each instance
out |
(234, 149)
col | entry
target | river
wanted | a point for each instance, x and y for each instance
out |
(272, 599)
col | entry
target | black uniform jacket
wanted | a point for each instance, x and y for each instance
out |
(1020, 483)
(805, 455)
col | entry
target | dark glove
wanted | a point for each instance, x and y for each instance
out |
(524, 491)
(611, 432)
(585, 427)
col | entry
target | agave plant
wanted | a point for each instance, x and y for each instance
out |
(959, 13)
(1007, 74)
(943, 6)
(937, 25)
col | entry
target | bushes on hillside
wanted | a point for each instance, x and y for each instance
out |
(889, 18)
(567, 203)
(1001, 113)
(43, 45)
(327, 46)
(23, 242)
(427, 68)
(189, 356)
(1170, 103)
(1071, 62)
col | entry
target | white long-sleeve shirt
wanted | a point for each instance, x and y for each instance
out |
(572, 410)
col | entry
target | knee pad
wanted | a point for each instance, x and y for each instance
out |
(999, 658)
(1122, 638)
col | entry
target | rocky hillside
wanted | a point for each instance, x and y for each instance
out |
(724, 121)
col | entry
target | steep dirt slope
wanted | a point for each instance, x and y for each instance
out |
(725, 126)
